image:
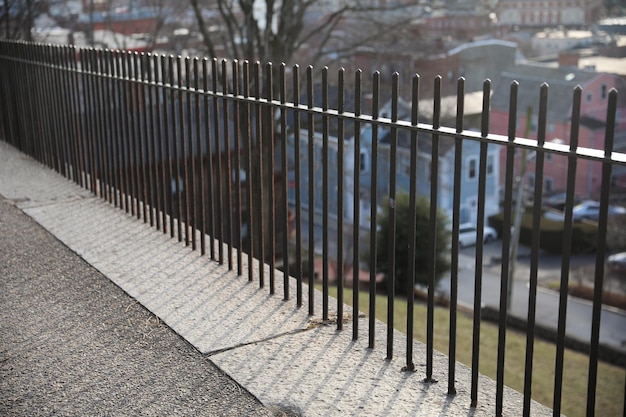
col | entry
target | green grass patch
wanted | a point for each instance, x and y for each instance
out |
(611, 379)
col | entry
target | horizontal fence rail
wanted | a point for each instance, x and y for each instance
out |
(241, 160)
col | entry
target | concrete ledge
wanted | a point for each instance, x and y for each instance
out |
(269, 346)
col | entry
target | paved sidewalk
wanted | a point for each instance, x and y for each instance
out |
(73, 343)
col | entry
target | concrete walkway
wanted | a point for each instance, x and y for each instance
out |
(73, 343)
(77, 358)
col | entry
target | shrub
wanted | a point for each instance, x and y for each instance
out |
(422, 242)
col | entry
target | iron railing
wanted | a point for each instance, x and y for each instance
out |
(226, 151)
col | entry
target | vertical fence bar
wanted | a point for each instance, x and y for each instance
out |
(434, 184)
(146, 136)
(50, 117)
(39, 149)
(65, 120)
(93, 127)
(73, 92)
(173, 184)
(373, 210)
(169, 109)
(456, 212)
(87, 62)
(267, 155)
(237, 168)
(311, 187)
(34, 125)
(189, 161)
(258, 152)
(130, 132)
(356, 204)
(57, 113)
(42, 110)
(132, 136)
(325, 195)
(40, 120)
(103, 113)
(18, 91)
(249, 173)
(534, 255)
(137, 142)
(391, 251)
(200, 172)
(209, 143)
(100, 133)
(144, 159)
(228, 173)
(26, 137)
(506, 247)
(5, 113)
(111, 104)
(478, 265)
(600, 253)
(65, 109)
(159, 158)
(46, 109)
(35, 149)
(152, 138)
(105, 101)
(285, 181)
(16, 102)
(36, 115)
(340, 203)
(410, 281)
(565, 261)
(120, 69)
(104, 124)
(79, 130)
(218, 160)
(180, 158)
(298, 183)
(199, 175)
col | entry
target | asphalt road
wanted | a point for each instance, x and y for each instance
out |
(73, 343)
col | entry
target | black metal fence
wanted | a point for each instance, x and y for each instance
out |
(223, 155)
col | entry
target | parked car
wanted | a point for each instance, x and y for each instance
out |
(557, 201)
(590, 210)
(587, 210)
(468, 234)
(617, 263)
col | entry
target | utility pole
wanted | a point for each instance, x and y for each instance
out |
(90, 29)
(519, 211)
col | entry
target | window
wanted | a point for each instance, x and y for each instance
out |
(531, 181)
(490, 165)
(603, 91)
(472, 168)
(548, 186)
(364, 162)
(589, 97)
(178, 186)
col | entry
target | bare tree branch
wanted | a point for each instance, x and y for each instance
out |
(206, 36)
(276, 30)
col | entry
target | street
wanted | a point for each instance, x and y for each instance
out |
(579, 312)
